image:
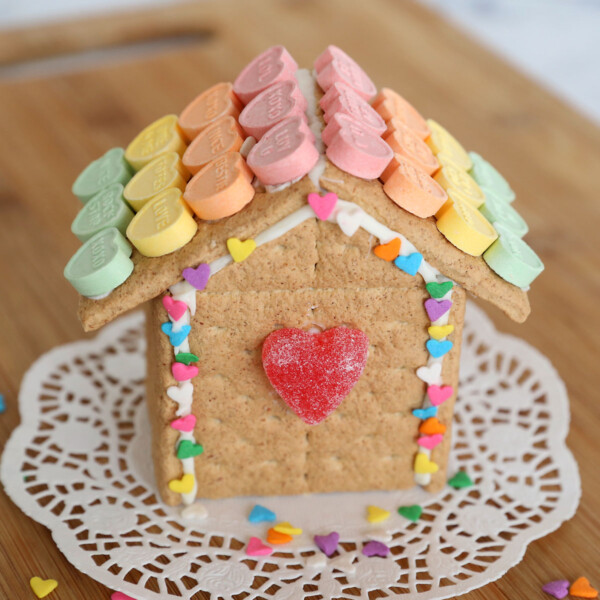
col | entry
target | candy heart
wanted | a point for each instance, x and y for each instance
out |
(186, 358)
(388, 251)
(390, 105)
(412, 513)
(239, 250)
(183, 372)
(379, 535)
(439, 394)
(187, 449)
(438, 332)
(460, 480)
(186, 423)
(260, 514)
(430, 374)
(437, 308)
(375, 548)
(423, 465)
(376, 514)
(175, 308)
(42, 587)
(430, 441)
(287, 528)
(344, 563)
(314, 372)
(101, 264)
(286, 152)
(425, 413)
(327, 543)
(109, 169)
(438, 348)
(256, 548)
(197, 277)
(582, 589)
(431, 426)
(195, 512)
(322, 205)
(349, 219)
(120, 596)
(183, 394)
(278, 537)
(185, 485)
(176, 337)
(438, 290)
(409, 264)
(559, 589)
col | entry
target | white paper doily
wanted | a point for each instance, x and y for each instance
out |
(80, 464)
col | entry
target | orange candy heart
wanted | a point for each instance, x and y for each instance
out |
(276, 537)
(388, 251)
(432, 426)
(582, 589)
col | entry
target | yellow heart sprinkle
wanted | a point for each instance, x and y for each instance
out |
(376, 514)
(42, 587)
(240, 250)
(438, 332)
(424, 465)
(286, 527)
(184, 485)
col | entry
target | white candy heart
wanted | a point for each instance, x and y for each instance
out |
(183, 394)
(194, 512)
(379, 535)
(349, 221)
(316, 562)
(344, 563)
(431, 374)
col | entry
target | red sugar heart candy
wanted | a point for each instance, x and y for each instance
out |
(314, 372)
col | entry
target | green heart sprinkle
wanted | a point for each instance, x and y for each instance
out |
(412, 513)
(460, 480)
(438, 290)
(186, 358)
(187, 449)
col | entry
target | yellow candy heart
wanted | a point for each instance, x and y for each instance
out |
(42, 587)
(240, 250)
(287, 528)
(438, 332)
(424, 465)
(376, 514)
(185, 485)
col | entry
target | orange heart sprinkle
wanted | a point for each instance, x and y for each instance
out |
(276, 537)
(432, 426)
(582, 589)
(388, 251)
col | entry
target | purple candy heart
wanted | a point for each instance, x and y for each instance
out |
(197, 277)
(375, 548)
(327, 543)
(559, 589)
(437, 308)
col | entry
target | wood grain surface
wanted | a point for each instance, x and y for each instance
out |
(53, 123)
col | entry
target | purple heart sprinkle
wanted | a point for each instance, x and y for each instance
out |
(197, 277)
(559, 589)
(375, 548)
(327, 543)
(437, 308)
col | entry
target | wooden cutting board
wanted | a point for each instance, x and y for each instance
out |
(58, 114)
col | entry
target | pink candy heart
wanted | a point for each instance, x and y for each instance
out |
(186, 423)
(175, 308)
(183, 372)
(323, 205)
(438, 394)
(256, 548)
(430, 441)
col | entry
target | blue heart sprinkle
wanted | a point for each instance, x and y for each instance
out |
(176, 337)
(260, 514)
(425, 413)
(438, 348)
(409, 264)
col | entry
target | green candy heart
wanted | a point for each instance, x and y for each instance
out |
(412, 513)
(497, 211)
(186, 358)
(460, 480)
(438, 290)
(489, 178)
(106, 170)
(101, 264)
(187, 449)
(106, 209)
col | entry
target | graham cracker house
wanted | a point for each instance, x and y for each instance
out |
(305, 289)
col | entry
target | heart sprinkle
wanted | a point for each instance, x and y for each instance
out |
(278, 537)
(559, 589)
(194, 512)
(438, 290)
(287, 528)
(431, 426)
(460, 480)
(581, 588)
(256, 548)
(430, 441)
(175, 337)
(438, 349)
(42, 587)
(185, 485)
(438, 332)
(388, 251)
(412, 513)
(437, 308)
(175, 308)
(327, 543)
(423, 465)
(374, 548)
(323, 205)
(186, 358)
(438, 394)
(260, 514)
(239, 250)
(183, 372)
(425, 413)
(376, 514)
(409, 264)
(186, 423)
(187, 449)
(198, 277)
(430, 374)
(120, 596)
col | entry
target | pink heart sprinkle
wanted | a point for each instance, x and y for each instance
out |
(120, 596)
(186, 423)
(327, 543)
(323, 205)
(375, 548)
(256, 548)
(559, 589)
(197, 277)
(183, 372)
(175, 308)
(438, 394)
(437, 308)
(430, 441)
